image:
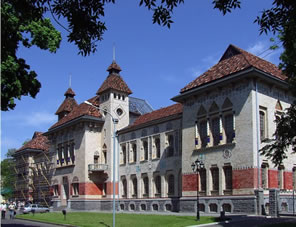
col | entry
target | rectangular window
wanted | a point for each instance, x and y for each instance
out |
(56, 190)
(71, 150)
(228, 177)
(216, 130)
(203, 132)
(215, 179)
(203, 180)
(170, 147)
(156, 147)
(157, 181)
(145, 150)
(134, 150)
(229, 132)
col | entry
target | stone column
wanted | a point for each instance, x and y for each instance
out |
(274, 202)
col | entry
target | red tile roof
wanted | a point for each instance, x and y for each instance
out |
(81, 110)
(158, 114)
(234, 60)
(68, 105)
(38, 142)
(114, 81)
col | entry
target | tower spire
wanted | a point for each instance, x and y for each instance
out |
(70, 80)
(113, 52)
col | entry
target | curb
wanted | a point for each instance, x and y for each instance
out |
(208, 224)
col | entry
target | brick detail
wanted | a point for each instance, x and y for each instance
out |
(244, 178)
(90, 188)
(288, 180)
(110, 188)
(189, 182)
(273, 179)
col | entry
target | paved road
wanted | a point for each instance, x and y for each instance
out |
(252, 221)
(23, 223)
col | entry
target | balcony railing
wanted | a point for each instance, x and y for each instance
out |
(97, 167)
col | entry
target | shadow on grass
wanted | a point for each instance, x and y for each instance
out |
(103, 223)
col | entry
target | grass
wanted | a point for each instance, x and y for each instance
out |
(85, 219)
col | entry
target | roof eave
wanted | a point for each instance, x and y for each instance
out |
(74, 121)
(246, 72)
(34, 150)
(153, 122)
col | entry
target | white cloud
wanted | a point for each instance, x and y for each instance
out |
(261, 49)
(258, 48)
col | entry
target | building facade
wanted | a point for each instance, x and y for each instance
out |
(223, 118)
(33, 170)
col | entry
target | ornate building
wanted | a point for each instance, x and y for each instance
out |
(222, 118)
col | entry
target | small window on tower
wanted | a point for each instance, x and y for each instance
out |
(119, 111)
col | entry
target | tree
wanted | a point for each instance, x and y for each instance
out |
(7, 174)
(23, 23)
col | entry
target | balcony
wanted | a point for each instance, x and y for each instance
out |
(97, 167)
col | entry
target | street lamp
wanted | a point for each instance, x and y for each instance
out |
(115, 121)
(197, 166)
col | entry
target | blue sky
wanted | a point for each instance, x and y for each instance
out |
(156, 62)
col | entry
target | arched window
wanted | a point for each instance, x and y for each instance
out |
(262, 117)
(75, 186)
(123, 161)
(171, 185)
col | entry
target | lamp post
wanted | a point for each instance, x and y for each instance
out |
(115, 121)
(197, 166)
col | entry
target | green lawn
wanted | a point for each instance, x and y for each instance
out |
(105, 219)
